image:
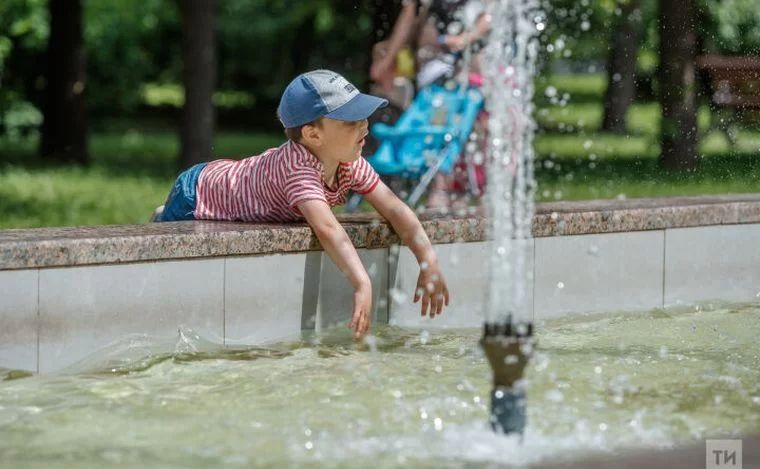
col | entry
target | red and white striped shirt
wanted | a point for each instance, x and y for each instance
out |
(267, 187)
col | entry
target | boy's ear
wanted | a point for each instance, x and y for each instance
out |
(311, 134)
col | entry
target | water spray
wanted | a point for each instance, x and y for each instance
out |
(509, 71)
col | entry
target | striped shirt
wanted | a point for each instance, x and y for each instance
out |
(269, 186)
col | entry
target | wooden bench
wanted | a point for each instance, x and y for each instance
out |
(734, 85)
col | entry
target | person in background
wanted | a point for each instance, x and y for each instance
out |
(440, 30)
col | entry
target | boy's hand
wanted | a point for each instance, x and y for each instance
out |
(362, 313)
(432, 290)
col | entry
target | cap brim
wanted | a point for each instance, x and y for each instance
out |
(360, 107)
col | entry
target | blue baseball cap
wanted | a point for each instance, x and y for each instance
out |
(322, 93)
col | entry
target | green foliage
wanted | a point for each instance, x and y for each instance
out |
(128, 44)
(733, 26)
(23, 38)
(134, 55)
(263, 44)
(574, 28)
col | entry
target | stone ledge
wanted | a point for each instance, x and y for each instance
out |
(59, 247)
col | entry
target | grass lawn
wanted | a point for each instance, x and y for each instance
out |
(132, 171)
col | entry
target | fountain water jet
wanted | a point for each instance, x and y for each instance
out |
(509, 70)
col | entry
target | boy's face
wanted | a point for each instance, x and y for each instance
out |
(342, 140)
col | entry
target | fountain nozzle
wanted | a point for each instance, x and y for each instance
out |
(508, 348)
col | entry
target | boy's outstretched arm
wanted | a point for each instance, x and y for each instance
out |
(431, 286)
(341, 250)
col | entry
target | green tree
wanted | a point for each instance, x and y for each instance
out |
(24, 31)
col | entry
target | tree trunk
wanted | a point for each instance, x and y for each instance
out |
(621, 66)
(677, 76)
(199, 77)
(64, 127)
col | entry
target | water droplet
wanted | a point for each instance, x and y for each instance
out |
(598, 370)
(585, 26)
(309, 445)
(438, 423)
(555, 395)
(663, 352)
(424, 337)
(718, 399)
(398, 295)
(550, 91)
(511, 359)
(593, 250)
(587, 144)
(560, 285)
(371, 342)
(603, 427)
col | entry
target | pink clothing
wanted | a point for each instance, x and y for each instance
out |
(267, 187)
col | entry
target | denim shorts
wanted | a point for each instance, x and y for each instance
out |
(180, 204)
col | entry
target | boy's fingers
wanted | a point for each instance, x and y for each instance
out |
(355, 316)
(363, 325)
(425, 303)
(446, 295)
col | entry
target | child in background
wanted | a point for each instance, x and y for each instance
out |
(325, 120)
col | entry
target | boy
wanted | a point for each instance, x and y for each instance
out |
(325, 120)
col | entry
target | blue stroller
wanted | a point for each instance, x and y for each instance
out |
(427, 138)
